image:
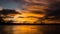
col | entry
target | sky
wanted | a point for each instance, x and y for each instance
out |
(8, 4)
(36, 8)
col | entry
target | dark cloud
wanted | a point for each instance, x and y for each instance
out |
(32, 17)
(37, 12)
(8, 11)
(54, 10)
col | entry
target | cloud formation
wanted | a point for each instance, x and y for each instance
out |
(39, 9)
(1, 8)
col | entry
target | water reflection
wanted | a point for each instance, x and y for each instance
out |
(29, 29)
(26, 29)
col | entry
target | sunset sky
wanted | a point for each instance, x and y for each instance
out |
(33, 10)
(8, 4)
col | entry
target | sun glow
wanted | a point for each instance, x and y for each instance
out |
(24, 17)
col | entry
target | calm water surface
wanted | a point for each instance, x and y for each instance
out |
(30, 29)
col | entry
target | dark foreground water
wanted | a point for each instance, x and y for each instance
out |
(29, 29)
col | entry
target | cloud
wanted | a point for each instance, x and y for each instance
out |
(1, 8)
(39, 2)
(36, 9)
(8, 11)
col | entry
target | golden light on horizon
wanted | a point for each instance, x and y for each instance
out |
(24, 17)
(29, 15)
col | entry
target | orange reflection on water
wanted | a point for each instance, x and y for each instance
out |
(26, 29)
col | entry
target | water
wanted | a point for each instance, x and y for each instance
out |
(29, 29)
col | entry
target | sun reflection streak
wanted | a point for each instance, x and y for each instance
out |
(26, 29)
